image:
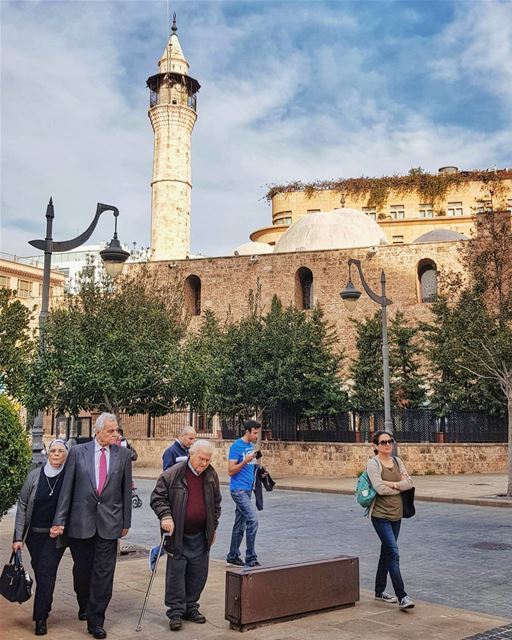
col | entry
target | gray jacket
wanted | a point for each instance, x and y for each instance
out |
(80, 509)
(25, 504)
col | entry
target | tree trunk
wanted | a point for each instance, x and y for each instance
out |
(509, 401)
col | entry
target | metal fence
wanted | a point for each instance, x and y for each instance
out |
(410, 425)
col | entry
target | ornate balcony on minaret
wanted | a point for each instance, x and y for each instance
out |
(173, 85)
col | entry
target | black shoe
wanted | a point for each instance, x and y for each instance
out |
(40, 629)
(82, 614)
(195, 616)
(253, 565)
(97, 632)
(237, 562)
(175, 623)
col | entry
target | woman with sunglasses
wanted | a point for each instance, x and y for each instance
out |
(389, 478)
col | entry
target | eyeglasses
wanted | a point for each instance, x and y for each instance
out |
(390, 441)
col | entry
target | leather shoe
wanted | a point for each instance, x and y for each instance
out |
(40, 629)
(175, 623)
(195, 616)
(97, 632)
(82, 614)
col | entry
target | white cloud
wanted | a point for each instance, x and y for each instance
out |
(477, 48)
(271, 109)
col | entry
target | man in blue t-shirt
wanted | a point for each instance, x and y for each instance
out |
(241, 468)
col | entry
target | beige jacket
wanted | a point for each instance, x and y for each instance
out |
(374, 471)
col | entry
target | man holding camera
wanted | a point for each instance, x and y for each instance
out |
(241, 470)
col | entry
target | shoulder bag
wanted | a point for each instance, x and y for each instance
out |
(15, 582)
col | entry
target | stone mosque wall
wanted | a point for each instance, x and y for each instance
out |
(225, 282)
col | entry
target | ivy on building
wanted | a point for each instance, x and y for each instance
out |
(430, 188)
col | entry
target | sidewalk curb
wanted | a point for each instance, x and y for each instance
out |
(503, 503)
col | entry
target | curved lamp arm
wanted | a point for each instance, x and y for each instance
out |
(382, 300)
(68, 245)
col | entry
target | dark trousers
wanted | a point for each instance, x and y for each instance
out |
(186, 575)
(45, 558)
(93, 575)
(389, 561)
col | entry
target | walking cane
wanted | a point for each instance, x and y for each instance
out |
(153, 574)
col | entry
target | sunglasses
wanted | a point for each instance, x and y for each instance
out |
(390, 441)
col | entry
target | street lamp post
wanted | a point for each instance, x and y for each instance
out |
(114, 257)
(350, 295)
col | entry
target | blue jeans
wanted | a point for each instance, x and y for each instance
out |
(389, 561)
(246, 521)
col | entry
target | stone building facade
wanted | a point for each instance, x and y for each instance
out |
(223, 284)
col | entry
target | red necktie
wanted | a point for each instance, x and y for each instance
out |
(103, 470)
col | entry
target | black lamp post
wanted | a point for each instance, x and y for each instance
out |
(350, 295)
(114, 257)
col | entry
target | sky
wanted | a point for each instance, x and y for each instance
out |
(290, 90)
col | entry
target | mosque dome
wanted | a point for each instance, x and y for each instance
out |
(339, 229)
(440, 235)
(252, 248)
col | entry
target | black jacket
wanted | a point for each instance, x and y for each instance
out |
(169, 498)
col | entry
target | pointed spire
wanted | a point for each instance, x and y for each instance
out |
(173, 58)
(49, 209)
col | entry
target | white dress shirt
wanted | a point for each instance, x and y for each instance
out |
(97, 454)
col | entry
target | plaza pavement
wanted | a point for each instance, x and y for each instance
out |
(368, 620)
(472, 489)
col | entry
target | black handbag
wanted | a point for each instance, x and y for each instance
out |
(15, 582)
(408, 503)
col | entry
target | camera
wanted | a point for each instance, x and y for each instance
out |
(258, 455)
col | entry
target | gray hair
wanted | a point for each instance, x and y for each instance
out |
(205, 445)
(99, 425)
(187, 430)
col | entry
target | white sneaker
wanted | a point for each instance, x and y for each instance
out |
(406, 603)
(386, 597)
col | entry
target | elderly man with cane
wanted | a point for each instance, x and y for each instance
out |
(186, 500)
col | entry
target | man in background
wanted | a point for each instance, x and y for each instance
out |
(178, 452)
(241, 470)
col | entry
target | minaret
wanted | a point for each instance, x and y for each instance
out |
(172, 111)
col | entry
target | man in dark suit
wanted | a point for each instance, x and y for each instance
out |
(94, 510)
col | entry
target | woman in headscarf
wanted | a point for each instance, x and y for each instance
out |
(37, 503)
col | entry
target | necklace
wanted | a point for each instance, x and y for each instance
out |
(50, 486)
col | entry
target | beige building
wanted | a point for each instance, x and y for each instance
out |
(405, 207)
(172, 113)
(26, 278)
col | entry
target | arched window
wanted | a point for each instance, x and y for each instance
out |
(304, 288)
(427, 281)
(193, 295)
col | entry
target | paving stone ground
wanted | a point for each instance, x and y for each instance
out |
(441, 550)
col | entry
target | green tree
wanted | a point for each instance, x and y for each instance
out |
(15, 455)
(16, 344)
(407, 389)
(453, 387)
(112, 346)
(407, 380)
(477, 325)
(201, 367)
(284, 358)
(366, 370)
